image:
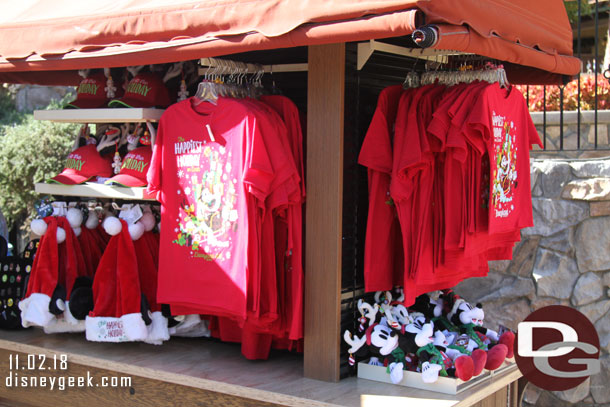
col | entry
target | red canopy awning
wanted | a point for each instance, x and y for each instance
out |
(64, 35)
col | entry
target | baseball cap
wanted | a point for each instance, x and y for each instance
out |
(134, 168)
(83, 164)
(91, 93)
(144, 90)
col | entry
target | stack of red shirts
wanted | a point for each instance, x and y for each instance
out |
(449, 186)
(229, 177)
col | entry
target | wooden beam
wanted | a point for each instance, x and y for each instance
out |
(325, 107)
(24, 384)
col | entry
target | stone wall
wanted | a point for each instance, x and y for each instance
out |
(564, 259)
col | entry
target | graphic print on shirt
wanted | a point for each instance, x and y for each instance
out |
(505, 160)
(208, 211)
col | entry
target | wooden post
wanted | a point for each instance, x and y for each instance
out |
(325, 104)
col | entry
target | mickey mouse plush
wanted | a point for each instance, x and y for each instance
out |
(382, 344)
(469, 321)
(430, 348)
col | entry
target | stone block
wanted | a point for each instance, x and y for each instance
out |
(591, 169)
(602, 326)
(600, 383)
(555, 274)
(599, 208)
(576, 394)
(541, 302)
(595, 310)
(547, 399)
(554, 177)
(507, 313)
(524, 256)
(593, 189)
(606, 279)
(561, 242)
(588, 289)
(531, 393)
(592, 242)
(554, 215)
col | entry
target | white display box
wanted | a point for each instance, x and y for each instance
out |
(446, 385)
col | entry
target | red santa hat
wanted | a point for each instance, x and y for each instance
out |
(71, 266)
(158, 330)
(43, 277)
(117, 313)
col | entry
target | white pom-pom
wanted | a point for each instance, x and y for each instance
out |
(77, 231)
(61, 235)
(92, 220)
(148, 221)
(39, 227)
(75, 217)
(136, 231)
(112, 225)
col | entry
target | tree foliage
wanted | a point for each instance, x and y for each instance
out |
(30, 152)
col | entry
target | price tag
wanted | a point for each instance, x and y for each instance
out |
(131, 214)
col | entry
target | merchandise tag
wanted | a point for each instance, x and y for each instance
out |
(59, 208)
(44, 208)
(210, 133)
(131, 214)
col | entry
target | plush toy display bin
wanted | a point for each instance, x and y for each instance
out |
(447, 385)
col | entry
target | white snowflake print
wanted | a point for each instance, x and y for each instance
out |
(179, 192)
(187, 190)
(176, 230)
(180, 174)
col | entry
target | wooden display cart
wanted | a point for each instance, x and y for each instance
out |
(189, 372)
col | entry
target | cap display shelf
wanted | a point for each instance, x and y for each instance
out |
(94, 190)
(109, 115)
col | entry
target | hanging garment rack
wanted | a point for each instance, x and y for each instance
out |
(366, 50)
(206, 63)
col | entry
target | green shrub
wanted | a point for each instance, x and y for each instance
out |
(30, 152)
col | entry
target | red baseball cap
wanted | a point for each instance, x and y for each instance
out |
(83, 164)
(134, 168)
(144, 90)
(91, 93)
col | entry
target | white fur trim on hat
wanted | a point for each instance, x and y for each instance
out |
(136, 231)
(61, 235)
(455, 307)
(127, 328)
(92, 220)
(157, 330)
(75, 217)
(60, 325)
(148, 220)
(35, 310)
(112, 225)
(39, 227)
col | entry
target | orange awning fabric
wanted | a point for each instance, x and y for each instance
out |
(64, 35)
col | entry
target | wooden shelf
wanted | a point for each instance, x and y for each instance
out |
(93, 190)
(210, 372)
(122, 115)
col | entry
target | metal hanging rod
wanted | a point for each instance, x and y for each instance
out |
(366, 50)
(206, 63)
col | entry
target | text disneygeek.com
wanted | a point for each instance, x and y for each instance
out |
(17, 376)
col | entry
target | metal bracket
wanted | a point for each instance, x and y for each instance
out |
(366, 50)
(206, 63)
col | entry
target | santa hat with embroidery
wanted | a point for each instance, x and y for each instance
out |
(118, 314)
